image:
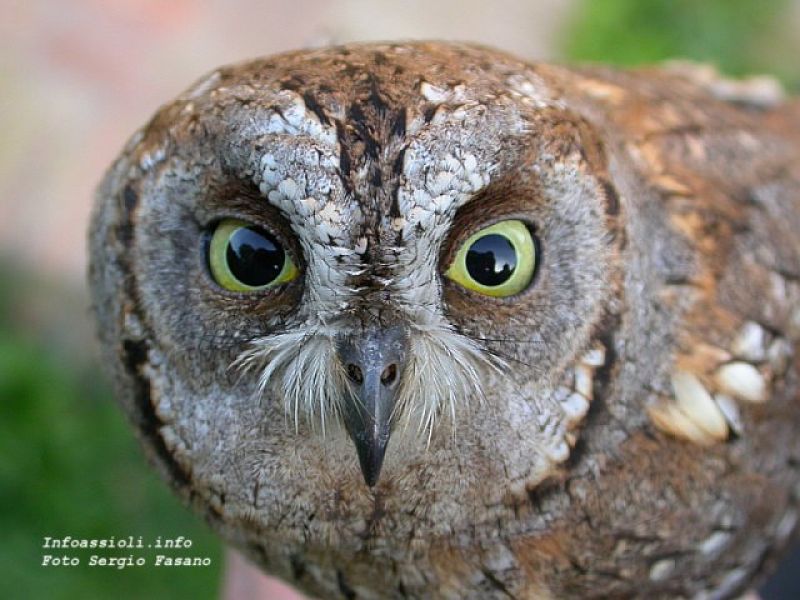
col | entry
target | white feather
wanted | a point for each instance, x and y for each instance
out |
(443, 373)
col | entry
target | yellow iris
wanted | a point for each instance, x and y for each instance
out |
(498, 260)
(243, 257)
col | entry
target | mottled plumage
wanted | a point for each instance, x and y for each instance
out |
(626, 426)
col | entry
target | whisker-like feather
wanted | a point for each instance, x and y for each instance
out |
(444, 370)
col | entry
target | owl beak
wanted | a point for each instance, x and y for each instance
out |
(374, 362)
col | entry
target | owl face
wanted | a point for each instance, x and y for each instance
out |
(361, 257)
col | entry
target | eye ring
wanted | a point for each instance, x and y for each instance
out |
(244, 257)
(498, 261)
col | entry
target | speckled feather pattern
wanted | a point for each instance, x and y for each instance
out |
(626, 427)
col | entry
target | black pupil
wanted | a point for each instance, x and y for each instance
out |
(254, 256)
(491, 260)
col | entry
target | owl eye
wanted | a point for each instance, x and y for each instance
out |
(243, 257)
(498, 260)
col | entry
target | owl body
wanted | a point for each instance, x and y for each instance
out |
(622, 426)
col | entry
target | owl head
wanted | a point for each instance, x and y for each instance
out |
(359, 271)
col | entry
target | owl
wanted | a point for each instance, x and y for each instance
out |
(423, 320)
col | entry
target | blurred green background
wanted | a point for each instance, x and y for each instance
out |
(72, 467)
(69, 465)
(740, 37)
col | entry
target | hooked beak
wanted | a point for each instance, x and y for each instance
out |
(374, 362)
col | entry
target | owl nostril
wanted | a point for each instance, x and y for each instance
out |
(389, 375)
(355, 374)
